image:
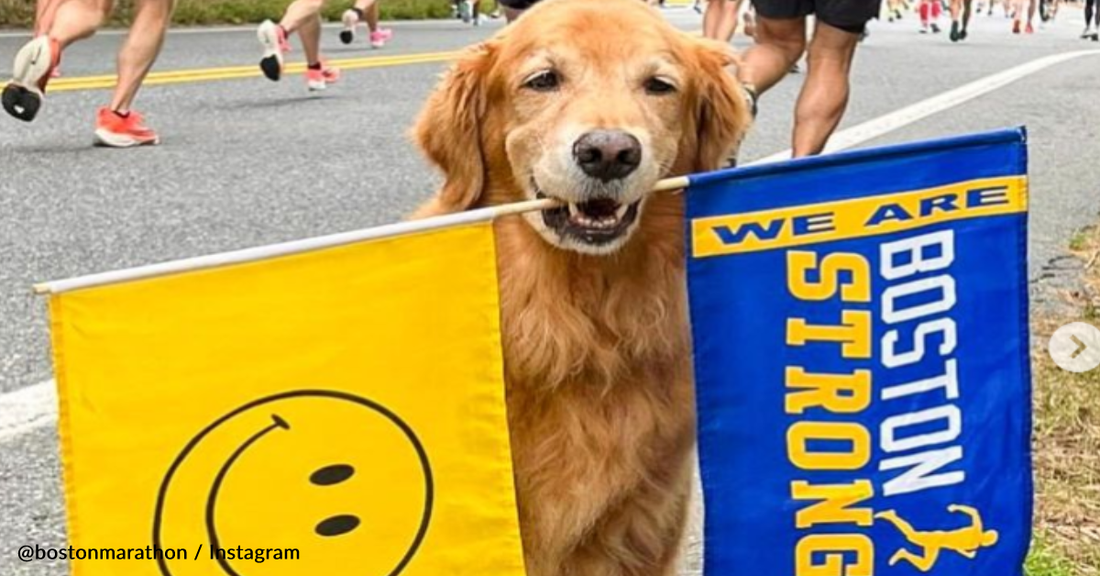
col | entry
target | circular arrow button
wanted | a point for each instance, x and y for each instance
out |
(1075, 347)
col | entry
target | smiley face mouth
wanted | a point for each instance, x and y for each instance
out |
(212, 499)
(594, 222)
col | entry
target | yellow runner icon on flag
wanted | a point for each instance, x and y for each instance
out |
(333, 412)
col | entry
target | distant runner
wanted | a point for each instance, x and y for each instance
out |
(1019, 8)
(929, 16)
(303, 17)
(1092, 27)
(960, 10)
(364, 11)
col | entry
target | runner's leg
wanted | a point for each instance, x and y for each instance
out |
(824, 95)
(140, 50)
(309, 30)
(78, 19)
(44, 14)
(299, 14)
(779, 45)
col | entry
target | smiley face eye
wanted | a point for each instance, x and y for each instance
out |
(330, 475)
(658, 86)
(337, 525)
(545, 81)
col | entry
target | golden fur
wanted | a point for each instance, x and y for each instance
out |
(596, 347)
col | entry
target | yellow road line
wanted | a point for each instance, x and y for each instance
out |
(235, 72)
(67, 84)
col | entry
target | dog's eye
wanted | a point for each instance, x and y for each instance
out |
(544, 81)
(658, 86)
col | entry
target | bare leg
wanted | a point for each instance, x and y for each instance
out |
(779, 44)
(728, 23)
(369, 8)
(301, 13)
(77, 19)
(44, 12)
(310, 33)
(710, 19)
(825, 94)
(140, 50)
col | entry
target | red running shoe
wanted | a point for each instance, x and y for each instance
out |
(116, 131)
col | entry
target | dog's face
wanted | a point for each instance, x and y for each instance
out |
(589, 103)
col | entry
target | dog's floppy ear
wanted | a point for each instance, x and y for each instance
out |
(448, 128)
(722, 110)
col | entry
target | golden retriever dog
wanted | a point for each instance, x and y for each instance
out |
(590, 102)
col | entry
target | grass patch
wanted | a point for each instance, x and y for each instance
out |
(1043, 562)
(1067, 440)
(1078, 241)
(20, 13)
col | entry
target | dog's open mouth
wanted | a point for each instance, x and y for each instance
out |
(596, 221)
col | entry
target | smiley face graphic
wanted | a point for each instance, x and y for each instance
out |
(339, 478)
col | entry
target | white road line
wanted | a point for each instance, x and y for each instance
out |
(27, 408)
(899, 118)
(34, 406)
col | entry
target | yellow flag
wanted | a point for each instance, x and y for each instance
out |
(334, 412)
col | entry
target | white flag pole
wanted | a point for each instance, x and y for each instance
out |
(310, 244)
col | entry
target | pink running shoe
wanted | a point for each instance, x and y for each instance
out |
(379, 37)
(318, 80)
(273, 39)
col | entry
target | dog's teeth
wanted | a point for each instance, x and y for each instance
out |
(622, 211)
(573, 209)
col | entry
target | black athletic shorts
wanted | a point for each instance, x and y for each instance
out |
(848, 15)
(518, 4)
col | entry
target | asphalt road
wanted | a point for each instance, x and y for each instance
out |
(248, 162)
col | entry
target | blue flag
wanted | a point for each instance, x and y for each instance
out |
(861, 353)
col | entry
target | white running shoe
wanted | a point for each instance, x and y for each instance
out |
(273, 39)
(350, 20)
(33, 67)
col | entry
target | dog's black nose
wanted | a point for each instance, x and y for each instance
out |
(607, 154)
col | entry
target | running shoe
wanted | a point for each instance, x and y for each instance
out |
(935, 28)
(273, 39)
(350, 20)
(34, 66)
(1015, 26)
(116, 131)
(318, 80)
(955, 31)
(1029, 29)
(962, 34)
(379, 37)
(1087, 33)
